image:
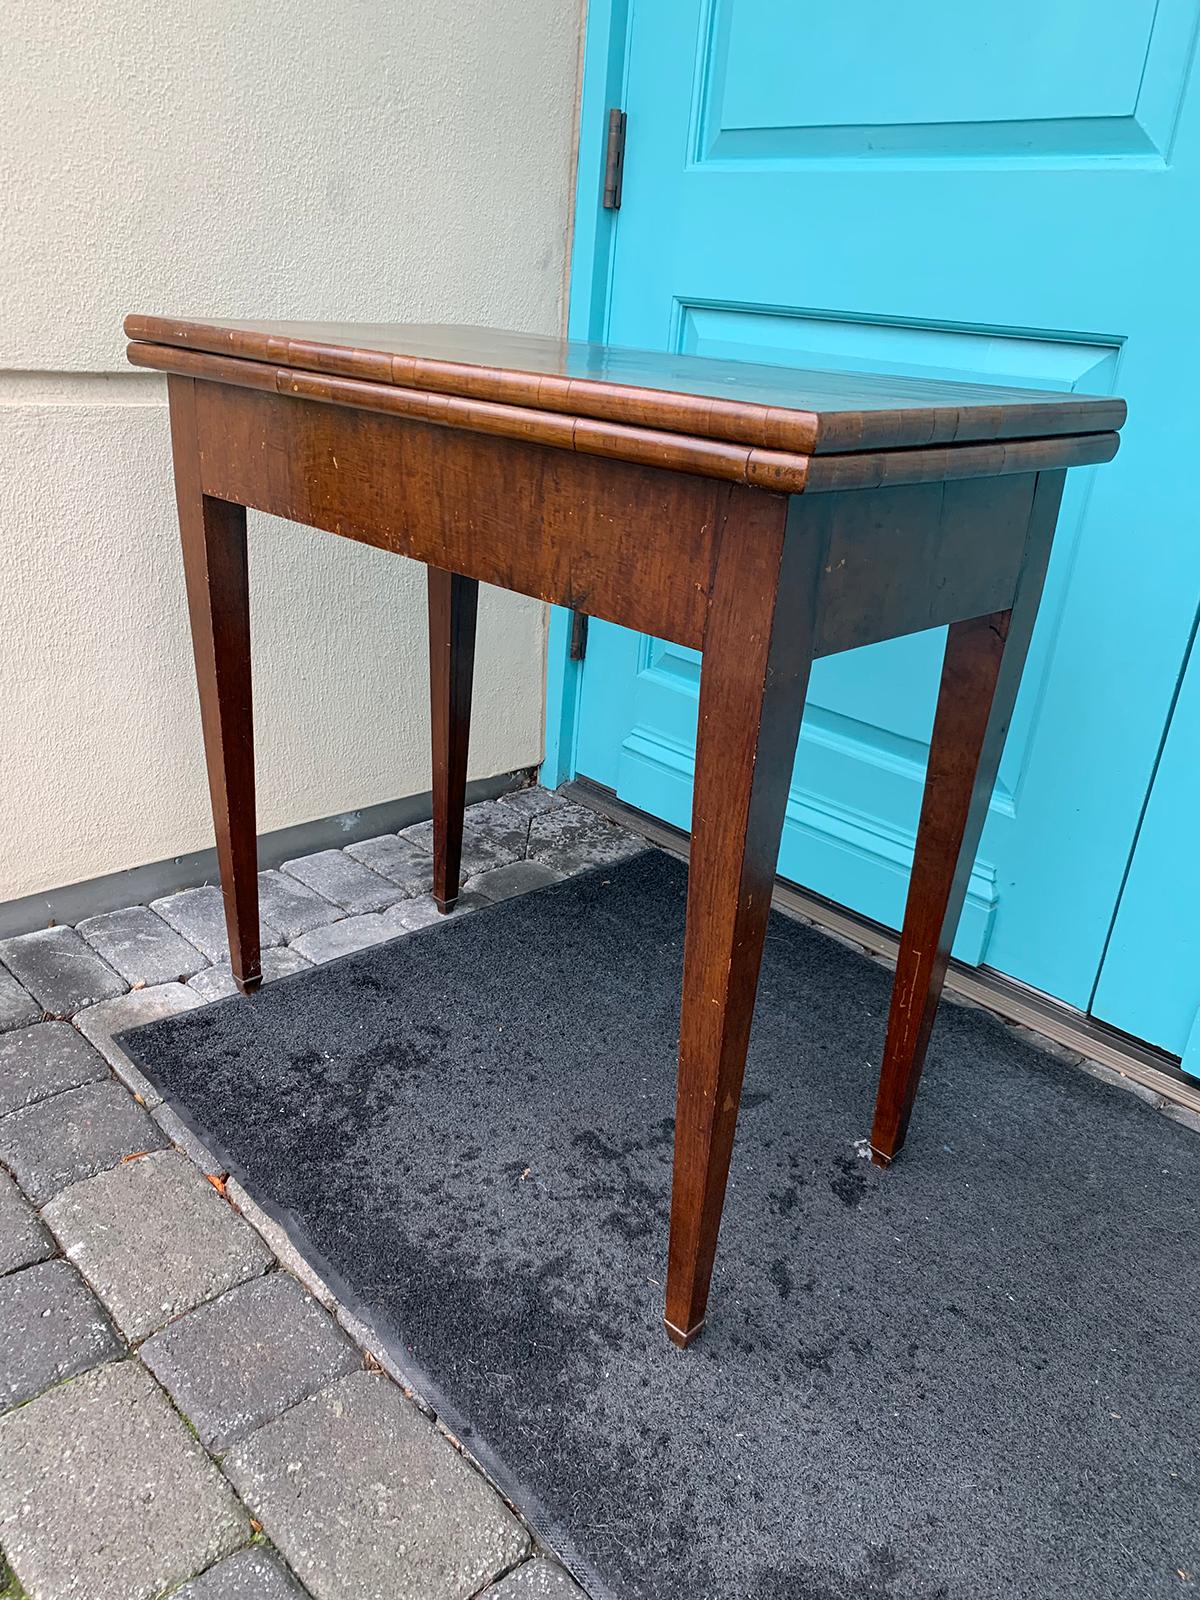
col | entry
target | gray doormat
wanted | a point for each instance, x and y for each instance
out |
(977, 1374)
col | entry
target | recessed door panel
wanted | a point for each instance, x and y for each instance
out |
(1021, 81)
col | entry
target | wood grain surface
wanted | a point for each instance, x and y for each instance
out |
(767, 407)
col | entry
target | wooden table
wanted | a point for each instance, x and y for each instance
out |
(763, 515)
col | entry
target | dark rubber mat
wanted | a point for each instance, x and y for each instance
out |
(977, 1374)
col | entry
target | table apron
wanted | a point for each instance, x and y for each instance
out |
(626, 543)
(905, 559)
(622, 542)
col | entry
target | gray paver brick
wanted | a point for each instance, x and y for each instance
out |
(216, 983)
(291, 906)
(101, 1024)
(533, 801)
(61, 971)
(405, 864)
(572, 838)
(345, 937)
(44, 1060)
(536, 1580)
(18, 1008)
(139, 945)
(363, 1496)
(199, 915)
(518, 877)
(502, 829)
(493, 835)
(418, 836)
(73, 1135)
(345, 880)
(105, 1493)
(23, 1236)
(409, 915)
(253, 1574)
(244, 1358)
(154, 1239)
(51, 1327)
(477, 855)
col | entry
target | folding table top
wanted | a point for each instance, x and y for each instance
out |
(763, 406)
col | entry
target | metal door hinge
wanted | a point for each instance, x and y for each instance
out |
(578, 635)
(614, 164)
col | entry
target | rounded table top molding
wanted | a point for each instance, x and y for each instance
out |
(768, 407)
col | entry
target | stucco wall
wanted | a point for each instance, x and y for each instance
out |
(362, 159)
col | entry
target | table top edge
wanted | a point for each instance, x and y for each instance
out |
(743, 421)
(781, 472)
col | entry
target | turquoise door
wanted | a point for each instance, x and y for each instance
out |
(1008, 193)
(1150, 980)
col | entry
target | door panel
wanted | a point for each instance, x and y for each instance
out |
(1022, 81)
(1006, 194)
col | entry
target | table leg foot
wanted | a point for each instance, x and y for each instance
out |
(677, 1335)
(249, 984)
(446, 906)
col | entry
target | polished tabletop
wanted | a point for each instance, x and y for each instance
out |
(768, 406)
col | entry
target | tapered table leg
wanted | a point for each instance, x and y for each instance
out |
(981, 674)
(214, 561)
(453, 603)
(757, 652)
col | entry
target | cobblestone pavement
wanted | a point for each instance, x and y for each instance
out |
(185, 1409)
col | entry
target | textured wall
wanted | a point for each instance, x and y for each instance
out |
(354, 159)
